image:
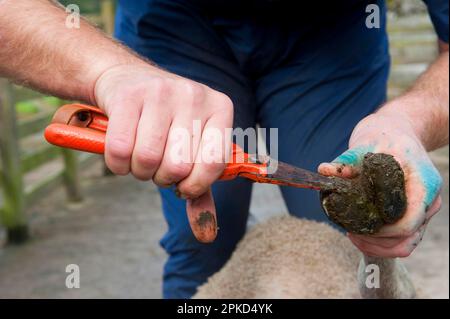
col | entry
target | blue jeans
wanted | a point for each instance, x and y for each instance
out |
(313, 82)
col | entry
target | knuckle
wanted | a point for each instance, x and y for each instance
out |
(116, 170)
(133, 90)
(117, 167)
(178, 171)
(194, 91)
(142, 176)
(225, 102)
(147, 158)
(192, 189)
(215, 167)
(119, 149)
(161, 88)
(127, 95)
(159, 180)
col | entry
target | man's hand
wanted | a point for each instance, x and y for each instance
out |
(391, 133)
(151, 127)
(407, 128)
(151, 112)
(147, 107)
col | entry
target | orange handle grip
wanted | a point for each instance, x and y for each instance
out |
(77, 138)
(87, 133)
(83, 128)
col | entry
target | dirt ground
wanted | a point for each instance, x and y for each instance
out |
(113, 237)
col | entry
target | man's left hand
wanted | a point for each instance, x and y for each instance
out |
(392, 133)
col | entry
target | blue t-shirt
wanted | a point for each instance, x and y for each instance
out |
(438, 9)
(329, 39)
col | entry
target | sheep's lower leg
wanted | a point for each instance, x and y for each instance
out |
(384, 278)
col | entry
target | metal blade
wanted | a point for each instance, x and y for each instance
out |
(298, 177)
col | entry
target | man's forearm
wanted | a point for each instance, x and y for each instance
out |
(426, 104)
(37, 49)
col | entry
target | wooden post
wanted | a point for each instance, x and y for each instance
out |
(107, 15)
(12, 215)
(71, 173)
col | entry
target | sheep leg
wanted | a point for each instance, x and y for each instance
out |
(384, 278)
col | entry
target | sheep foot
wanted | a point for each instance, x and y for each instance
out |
(374, 198)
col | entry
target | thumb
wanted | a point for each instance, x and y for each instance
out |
(202, 217)
(347, 164)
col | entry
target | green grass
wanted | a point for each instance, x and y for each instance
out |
(52, 101)
(27, 107)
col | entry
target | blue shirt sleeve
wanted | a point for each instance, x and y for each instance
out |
(438, 10)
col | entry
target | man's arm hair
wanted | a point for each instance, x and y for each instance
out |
(426, 104)
(38, 49)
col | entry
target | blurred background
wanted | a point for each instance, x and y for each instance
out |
(59, 207)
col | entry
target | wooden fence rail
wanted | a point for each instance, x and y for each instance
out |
(16, 162)
(19, 158)
(12, 214)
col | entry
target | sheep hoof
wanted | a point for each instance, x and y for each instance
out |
(374, 198)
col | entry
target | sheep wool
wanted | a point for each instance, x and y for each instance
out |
(287, 257)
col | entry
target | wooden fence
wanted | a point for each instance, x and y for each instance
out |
(24, 153)
(29, 166)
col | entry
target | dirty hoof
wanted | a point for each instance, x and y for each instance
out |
(375, 198)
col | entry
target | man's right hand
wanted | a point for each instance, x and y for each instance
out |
(147, 107)
(145, 104)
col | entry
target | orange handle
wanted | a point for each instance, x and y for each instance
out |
(83, 128)
(77, 138)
